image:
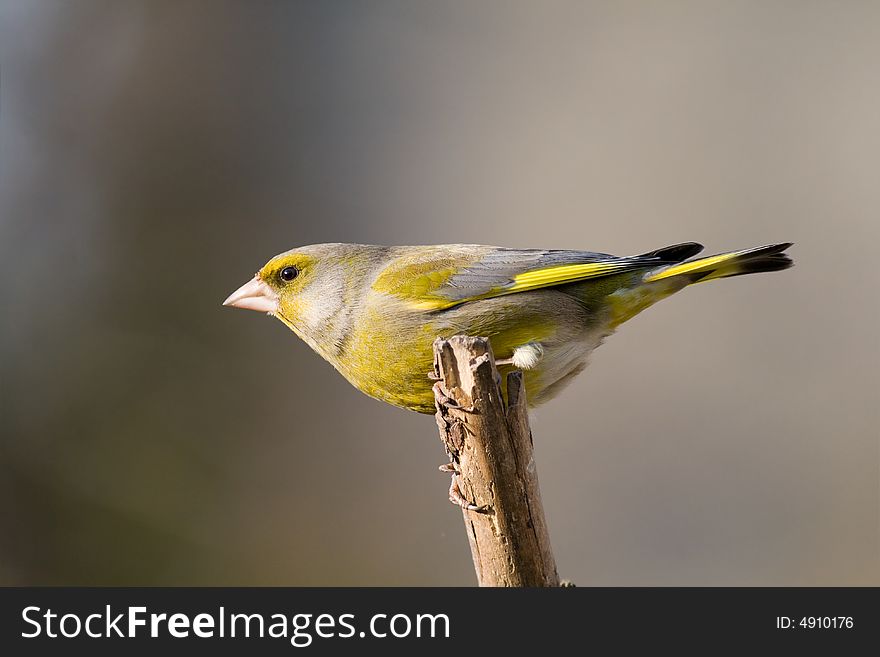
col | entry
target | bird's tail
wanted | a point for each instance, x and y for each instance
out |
(735, 263)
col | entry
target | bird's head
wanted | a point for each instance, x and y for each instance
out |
(309, 289)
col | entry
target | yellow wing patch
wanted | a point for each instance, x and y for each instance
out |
(563, 274)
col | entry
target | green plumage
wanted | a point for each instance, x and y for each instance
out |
(373, 311)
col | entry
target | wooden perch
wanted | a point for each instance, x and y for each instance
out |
(494, 475)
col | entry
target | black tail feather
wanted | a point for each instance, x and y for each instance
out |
(674, 253)
(772, 262)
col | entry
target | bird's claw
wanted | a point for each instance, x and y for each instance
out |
(458, 499)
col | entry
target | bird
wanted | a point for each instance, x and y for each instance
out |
(373, 312)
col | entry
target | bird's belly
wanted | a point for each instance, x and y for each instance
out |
(403, 379)
(390, 358)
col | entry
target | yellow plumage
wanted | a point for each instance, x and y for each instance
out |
(373, 312)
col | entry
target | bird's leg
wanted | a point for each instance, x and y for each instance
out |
(524, 357)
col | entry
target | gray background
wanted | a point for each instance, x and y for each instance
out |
(154, 154)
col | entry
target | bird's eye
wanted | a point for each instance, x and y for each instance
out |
(288, 274)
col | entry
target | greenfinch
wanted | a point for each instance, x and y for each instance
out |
(373, 312)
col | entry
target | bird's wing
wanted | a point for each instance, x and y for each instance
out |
(437, 278)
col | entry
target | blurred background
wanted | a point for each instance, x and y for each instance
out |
(153, 154)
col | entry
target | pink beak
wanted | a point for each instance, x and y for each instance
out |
(254, 295)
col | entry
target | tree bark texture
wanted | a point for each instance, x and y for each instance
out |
(494, 478)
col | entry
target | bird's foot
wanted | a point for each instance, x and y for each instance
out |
(455, 495)
(458, 499)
